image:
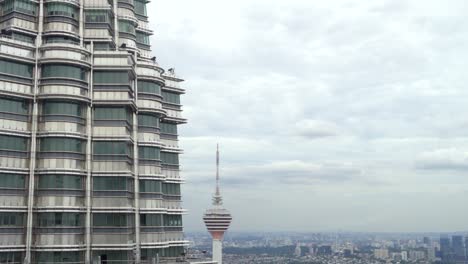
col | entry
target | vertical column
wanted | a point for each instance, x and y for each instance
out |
(136, 170)
(116, 24)
(33, 144)
(89, 163)
(81, 22)
(218, 251)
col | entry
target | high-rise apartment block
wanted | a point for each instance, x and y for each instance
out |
(89, 166)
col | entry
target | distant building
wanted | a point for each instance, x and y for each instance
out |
(445, 249)
(381, 253)
(426, 241)
(324, 250)
(417, 255)
(404, 256)
(297, 250)
(458, 248)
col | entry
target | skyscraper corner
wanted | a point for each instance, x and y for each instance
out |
(217, 219)
(89, 166)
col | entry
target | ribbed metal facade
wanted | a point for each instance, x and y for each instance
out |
(89, 166)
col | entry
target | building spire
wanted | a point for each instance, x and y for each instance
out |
(217, 199)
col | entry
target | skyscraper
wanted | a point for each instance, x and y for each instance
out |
(88, 135)
(445, 249)
(458, 247)
(217, 219)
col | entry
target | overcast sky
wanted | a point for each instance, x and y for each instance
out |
(331, 115)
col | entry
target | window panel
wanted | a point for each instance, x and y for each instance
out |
(14, 106)
(62, 144)
(13, 181)
(60, 181)
(62, 108)
(61, 39)
(112, 148)
(168, 128)
(113, 113)
(126, 27)
(145, 120)
(22, 37)
(112, 184)
(16, 68)
(149, 87)
(142, 38)
(59, 219)
(148, 186)
(172, 220)
(149, 153)
(62, 9)
(97, 16)
(23, 6)
(169, 158)
(63, 71)
(171, 188)
(112, 219)
(13, 219)
(171, 97)
(43, 257)
(110, 77)
(140, 7)
(13, 143)
(151, 220)
(11, 257)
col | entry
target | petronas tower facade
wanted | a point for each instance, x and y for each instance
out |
(89, 165)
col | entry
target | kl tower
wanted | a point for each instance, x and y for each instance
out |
(217, 219)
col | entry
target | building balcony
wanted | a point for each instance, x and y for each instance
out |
(60, 89)
(66, 28)
(15, 162)
(121, 200)
(15, 88)
(113, 236)
(53, 237)
(15, 125)
(62, 126)
(65, 53)
(15, 50)
(110, 166)
(12, 237)
(69, 199)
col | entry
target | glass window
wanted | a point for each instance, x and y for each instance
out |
(111, 184)
(13, 143)
(111, 219)
(149, 87)
(172, 220)
(23, 6)
(112, 148)
(14, 106)
(142, 38)
(151, 220)
(11, 257)
(126, 27)
(12, 219)
(149, 186)
(61, 39)
(62, 9)
(111, 77)
(145, 120)
(59, 219)
(171, 188)
(62, 144)
(113, 256)
(72, 257)
(16, 68)
(173, 252)
(113, 113)
(97, 16)
(13, 181)
(60, 181)
(140, 7)
(168, 128)
(63, 71)
(169, 158)
(22, 37)
(149, 153)
(62, 108)
(171, 97)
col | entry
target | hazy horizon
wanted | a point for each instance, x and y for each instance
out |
(341, 114)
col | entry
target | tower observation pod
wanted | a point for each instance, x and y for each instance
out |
(217, 219)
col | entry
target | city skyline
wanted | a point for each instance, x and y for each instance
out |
(357, 102)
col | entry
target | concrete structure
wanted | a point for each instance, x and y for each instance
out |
(88, 135)
(217, 219)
